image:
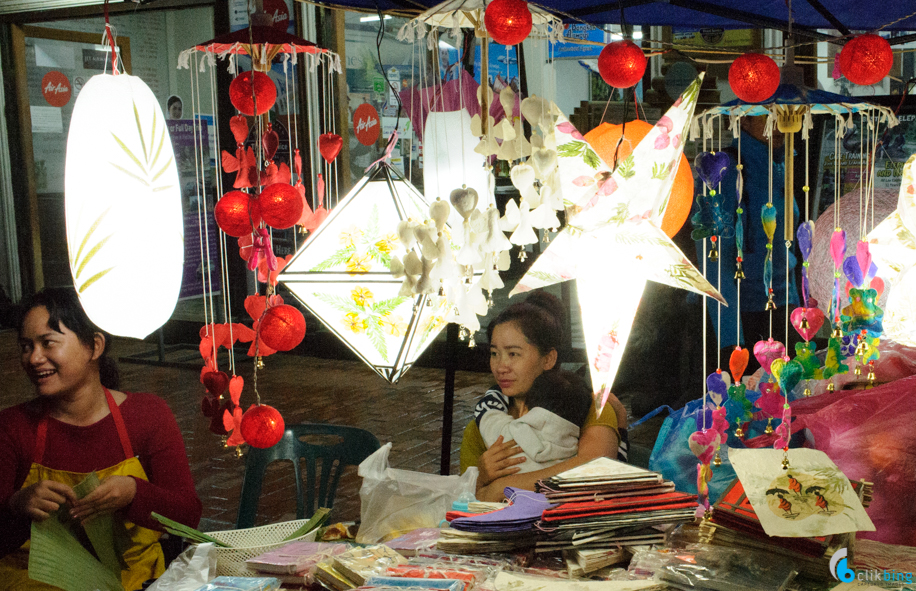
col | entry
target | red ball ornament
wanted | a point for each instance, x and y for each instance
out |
(234, 215)
(754, 77)
(622, 64)
(280, 206)
(282, 328)
(508, 22)
(262, 426)
(242, 95)
(866, 59)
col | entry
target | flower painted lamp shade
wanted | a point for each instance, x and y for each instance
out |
(342, 276)
(125, 233)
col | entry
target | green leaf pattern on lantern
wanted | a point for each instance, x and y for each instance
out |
(338, 258)
(660, 171)
(361, 314)
(577, 149)
(627, 167)
(150, 167)
(368, 243)
(79, 262)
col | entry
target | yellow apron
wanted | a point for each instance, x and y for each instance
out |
(144, 558)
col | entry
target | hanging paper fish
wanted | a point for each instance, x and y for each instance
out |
(768, 220)
(712, 218)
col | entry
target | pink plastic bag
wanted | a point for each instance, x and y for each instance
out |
(871, 436)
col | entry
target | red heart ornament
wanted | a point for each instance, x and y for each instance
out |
(216, 382)
(239, 127)
(737, 363)
(767, 351)
(270, 142)
(209, 406)
(815, 320)
(329, 144)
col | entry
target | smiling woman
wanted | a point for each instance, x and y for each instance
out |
(79, 424)
(538, 420)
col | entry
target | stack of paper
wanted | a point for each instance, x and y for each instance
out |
(296, 562)
(359, 564)
(507, 529)
(583, 562)
(605, 504)
(413, 583)
(467, 577)
(415, 542)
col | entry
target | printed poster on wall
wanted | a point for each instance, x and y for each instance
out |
(199, 255)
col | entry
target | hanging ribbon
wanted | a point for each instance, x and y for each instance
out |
(392, 141)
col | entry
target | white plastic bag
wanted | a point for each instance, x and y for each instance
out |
(394, 502)
(193, 568)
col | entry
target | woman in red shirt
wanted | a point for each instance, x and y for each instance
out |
(80, 423)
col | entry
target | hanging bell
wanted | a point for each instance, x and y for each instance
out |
(831, 387)
(771, 305)
(238, 452)
(807, 393)
(441, 291)
(471, 342)
(837, 333)
(259, 363)
(769, 429)
(489, 298)
(739, 432)
(714, 253)
(224, 441)
(804, 323)
(871, 374)
(785, 462)
(707, 515)
(739, 271)
(429, 302)
(462, 334)
(861, 349)
(546, 238)
(303, 231)
(522, 255)
(858, 370)
(717, 461)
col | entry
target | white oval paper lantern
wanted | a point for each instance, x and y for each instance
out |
(125, 231)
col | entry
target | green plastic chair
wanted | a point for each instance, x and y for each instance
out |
(341, 446)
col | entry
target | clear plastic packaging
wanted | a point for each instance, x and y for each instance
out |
(715, 568)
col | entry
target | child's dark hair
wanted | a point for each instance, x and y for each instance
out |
(63, 306)
(562, 393)
(541, 318)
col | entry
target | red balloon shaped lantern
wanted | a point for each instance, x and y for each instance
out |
(866, 59)
(622, 64)
(248, 85)
(508, 22)
(282, 327)
(280, 206)
(262, 426)
(234, 215)
(754, 77)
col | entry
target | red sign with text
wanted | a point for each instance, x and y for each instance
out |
(366, 124)
(56, 89)
(280, 13)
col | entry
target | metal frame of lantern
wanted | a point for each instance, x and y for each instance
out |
(301, 278)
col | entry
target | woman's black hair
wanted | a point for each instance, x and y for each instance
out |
(172, 100)
(64, 308)
(541, 318)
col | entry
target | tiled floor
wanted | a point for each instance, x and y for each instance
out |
(304, 389)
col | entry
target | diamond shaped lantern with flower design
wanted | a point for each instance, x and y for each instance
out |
(342, 275)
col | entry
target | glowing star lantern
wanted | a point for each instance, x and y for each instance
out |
(233, 214)
(508, 22)
(252, 93)
(282, 327)
(125, 231)
(892, 245)
(866, 59)
(262, 426)
(622, 64)
(612, 243)
(753, 77)
(603, 139)
(342, 275)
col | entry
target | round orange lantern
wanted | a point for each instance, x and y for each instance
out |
(262, 426)
(754, 77)
(866, 59)
(280, 206)
(248, 86)
(233, 214)
(508, 22)
(622, 64)
(282, 327)
(604, 140)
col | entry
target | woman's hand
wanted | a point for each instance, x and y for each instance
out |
(114, 493)
(41, 499)
(498, 461)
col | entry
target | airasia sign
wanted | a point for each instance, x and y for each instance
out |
(366, 124)
(279, 12)
(56, 89)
